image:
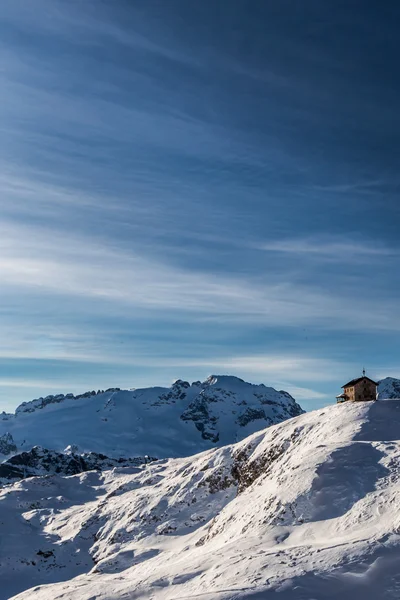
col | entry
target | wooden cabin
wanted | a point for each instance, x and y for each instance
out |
(362, 389)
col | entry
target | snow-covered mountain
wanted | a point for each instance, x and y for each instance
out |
(160, 422)
(307, 508)
(40, 461)
(389, 388)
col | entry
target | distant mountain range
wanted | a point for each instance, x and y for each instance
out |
(159, 422)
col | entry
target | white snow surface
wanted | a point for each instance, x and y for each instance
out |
(158, 422)
(305, 510)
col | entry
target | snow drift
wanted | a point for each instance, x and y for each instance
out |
(307, 508)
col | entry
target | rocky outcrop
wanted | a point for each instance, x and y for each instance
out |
(254, 403)
(177, 391)
(198, 412)
(40, 461)
(40, 403)
(7, 444)
(252, 414)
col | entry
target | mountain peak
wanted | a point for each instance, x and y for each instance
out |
(224, 380)
(389, 388)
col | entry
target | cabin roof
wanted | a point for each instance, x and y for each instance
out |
(354, 381)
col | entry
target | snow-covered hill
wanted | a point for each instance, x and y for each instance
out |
(161, 422)
(308, 508)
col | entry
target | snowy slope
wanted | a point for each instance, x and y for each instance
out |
(160, 422)
(307, 508)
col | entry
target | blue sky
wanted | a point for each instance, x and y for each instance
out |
(198, 187)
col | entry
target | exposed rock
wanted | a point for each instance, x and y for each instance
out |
(7, 445)
(201, 410)
(40, 403)
(198, 412)
(251, 414)
(6, 416)
(40, 461)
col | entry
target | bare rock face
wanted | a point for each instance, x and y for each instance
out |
(40, 403)
(7, 445)
(198, 412)
(252, 414)
(249, 403)
(40, 461)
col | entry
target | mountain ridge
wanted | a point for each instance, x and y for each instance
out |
(162, 422)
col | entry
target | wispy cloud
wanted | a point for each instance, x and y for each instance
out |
(387, 371)
(41, 384)
(92, 25)
(48, 262)
(335, 249)
(286, 367)
(302, 394)
(276, 367)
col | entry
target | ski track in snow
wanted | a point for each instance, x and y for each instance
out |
(304, 510)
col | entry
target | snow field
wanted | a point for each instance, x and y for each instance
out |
(307, 508)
